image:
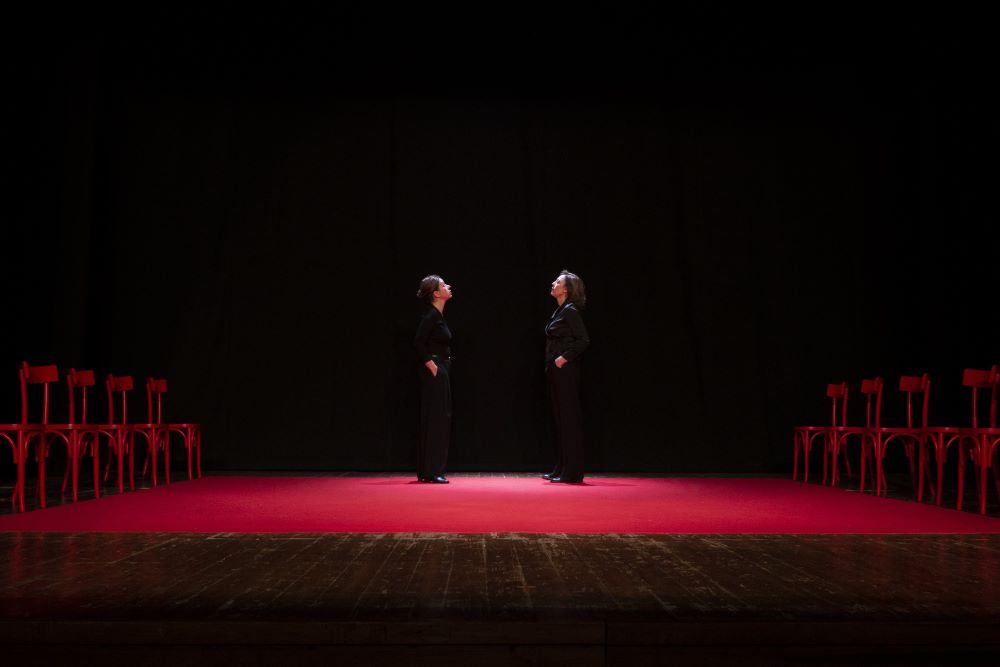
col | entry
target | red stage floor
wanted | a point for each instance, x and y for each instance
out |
(498, 504)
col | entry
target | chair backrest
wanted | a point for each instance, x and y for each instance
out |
(872, 389)
(914, 384)
(155, 388)
(837, 393)
(121, 384)
(78, 380)
(43, 375)
(976, 380)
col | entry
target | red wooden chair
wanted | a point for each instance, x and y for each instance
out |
(42, 433)
(973, 440)
(87, 435)
(190, 433)
(872, 389)
(805, 436)
(985, 457)
(14, 435)
(979, 443)
(127, 432)
(912, 437)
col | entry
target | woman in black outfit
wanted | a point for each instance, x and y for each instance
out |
(433, 343)
(565, 340)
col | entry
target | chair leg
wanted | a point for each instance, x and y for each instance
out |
(22, 455)
(840, 452)
(806, 451)
(152, 454)
(921, 468)
(189, 442)
(72, 466)
(21, 483)
(996, 473)
(871, 463)
(834, 456)
(95, 455)
(131, 461)
(65, 482)
(165, 444)
(961, 475)
(120, 455)
(795, 456)
(847, 462)
(879, 465)
(939, 455)
(42, 452)
(807, 443)
(864, 456)
(867, 462)
(880, 472)
(75, 455)
(909, 447)
(927, 450)
(826, 456)
(984, 472)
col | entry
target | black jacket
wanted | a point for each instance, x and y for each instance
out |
(565, 334)
(433, 336)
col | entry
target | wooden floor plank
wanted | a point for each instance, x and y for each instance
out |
(505, 576)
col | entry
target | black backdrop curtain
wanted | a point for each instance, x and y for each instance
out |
(756, 211)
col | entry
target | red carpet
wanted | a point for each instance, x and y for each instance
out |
(498, 504)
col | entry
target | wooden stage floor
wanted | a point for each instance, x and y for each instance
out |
(418, 598)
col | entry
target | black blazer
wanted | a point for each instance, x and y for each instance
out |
(565, 334)
(433, 336)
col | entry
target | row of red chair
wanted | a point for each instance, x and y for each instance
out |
(81, 437)
(975, 442)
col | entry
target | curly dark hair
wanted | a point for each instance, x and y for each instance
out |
(576, 293)
(428, 286)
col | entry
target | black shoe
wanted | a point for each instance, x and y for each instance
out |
(548, 476)
(566, 480)
(440, 479)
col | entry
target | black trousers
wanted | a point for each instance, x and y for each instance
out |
(435, 419)
(564, 389)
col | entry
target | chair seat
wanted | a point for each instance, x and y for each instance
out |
(956, 429)
(898, 430)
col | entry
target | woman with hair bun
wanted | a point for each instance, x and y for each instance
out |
(433, 344)
(565, 340)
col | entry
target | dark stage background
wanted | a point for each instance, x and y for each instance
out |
(760, 202)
